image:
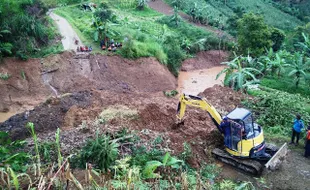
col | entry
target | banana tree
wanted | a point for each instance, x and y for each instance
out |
(176, 18)
(277, 65)
(299, 67)
(103, 30)
(238, 77)
(305, 45)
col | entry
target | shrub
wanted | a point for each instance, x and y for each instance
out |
(101, 151)
(276, 110)
(4, 76)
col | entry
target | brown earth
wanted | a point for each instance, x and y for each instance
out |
(77, 87)
(205, 60)
(66, 73)
(156, 115)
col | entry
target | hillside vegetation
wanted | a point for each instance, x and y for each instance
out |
(25, 30)
(148, 33)
(219, 13)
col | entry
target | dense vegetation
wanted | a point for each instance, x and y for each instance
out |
(146, 167)
(148, 33)
(25, 30)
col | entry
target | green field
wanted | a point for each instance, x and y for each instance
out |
(217, 10)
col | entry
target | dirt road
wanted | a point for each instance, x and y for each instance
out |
(68, 34)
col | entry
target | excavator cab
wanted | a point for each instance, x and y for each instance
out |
(247, 138)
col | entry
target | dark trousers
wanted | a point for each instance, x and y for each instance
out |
(307, 151)
(293, 136)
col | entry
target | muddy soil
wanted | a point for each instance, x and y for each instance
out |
(194, 82)
(156, 114)
(67, 72)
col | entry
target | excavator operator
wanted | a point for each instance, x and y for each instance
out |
(233, 132)
(225, 128)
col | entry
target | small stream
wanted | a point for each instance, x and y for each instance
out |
(194, 82)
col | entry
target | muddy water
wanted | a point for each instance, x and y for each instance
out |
(194, 82)
(5, 116)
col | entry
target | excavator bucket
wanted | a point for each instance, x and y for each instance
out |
(277, 158)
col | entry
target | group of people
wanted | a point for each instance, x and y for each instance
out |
(296, 130)
(112, 46)
(84, 49)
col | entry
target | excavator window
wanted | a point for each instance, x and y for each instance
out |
(249, 127)
(236, 134)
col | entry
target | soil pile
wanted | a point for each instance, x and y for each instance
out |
(34, 81)
(156, 115)
(222, 98)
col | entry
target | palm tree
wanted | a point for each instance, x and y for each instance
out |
(238, 77)
(299, 66)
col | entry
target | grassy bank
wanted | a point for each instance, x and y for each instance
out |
(144, 33)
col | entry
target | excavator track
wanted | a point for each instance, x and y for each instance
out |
(250, 166)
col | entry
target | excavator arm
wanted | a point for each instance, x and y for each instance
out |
(198, 102)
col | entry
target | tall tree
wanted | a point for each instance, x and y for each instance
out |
(253, 35)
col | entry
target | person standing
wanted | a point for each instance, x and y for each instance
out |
(307, 147)
(225, 128)
(297, 126)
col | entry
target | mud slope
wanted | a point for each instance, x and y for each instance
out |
(24, 88)
(156, 114)
(67, 72)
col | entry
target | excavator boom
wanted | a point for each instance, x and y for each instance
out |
(198, 102)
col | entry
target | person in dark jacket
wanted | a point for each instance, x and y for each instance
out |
(225, 128)
(307, 147)
(297, 126)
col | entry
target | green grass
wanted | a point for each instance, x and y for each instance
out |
(215, 10)
(146, 29)
(286, 84)
(55, 48)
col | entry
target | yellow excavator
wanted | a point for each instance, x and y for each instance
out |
(247, 149)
